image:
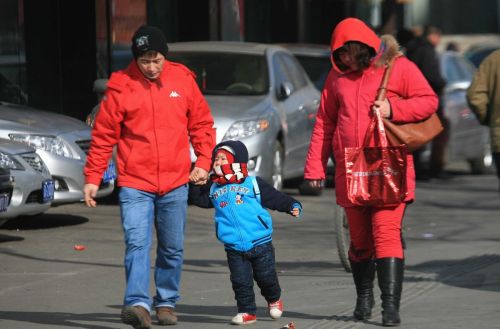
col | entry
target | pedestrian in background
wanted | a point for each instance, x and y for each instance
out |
(483, 97)
(150, 111)
(345, 112)
(422, 51)
(245, 227)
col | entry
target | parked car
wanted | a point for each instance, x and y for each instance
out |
(258, 94)
(6, 188)
(32, 187)
(314, 58)
(477, 53)
(60, 141)
(468, 139)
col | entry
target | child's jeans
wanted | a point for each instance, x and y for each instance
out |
(259, 263)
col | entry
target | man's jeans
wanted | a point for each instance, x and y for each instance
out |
(257, 262)
(138, 211)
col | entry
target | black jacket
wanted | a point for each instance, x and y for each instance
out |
(424, 55)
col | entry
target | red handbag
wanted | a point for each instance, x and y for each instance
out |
(376, 176)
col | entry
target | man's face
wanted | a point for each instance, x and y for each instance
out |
(151, 64)
(434, 38)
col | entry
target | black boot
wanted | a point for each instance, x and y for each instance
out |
(390, 280)
(363, 274)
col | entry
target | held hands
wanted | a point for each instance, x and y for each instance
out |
(198, 176)
(89, 193)
(384, 108)
(296, 210)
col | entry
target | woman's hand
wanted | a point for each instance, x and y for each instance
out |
(316, 183)
(384, 108)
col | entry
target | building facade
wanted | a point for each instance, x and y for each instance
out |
(51, 51)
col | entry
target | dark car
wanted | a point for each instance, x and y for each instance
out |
(477, 53)
(314, 58)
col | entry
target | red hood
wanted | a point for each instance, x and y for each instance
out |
(353, 29)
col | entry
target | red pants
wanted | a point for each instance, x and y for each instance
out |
(375, 232)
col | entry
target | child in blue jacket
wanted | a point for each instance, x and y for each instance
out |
(245, 227)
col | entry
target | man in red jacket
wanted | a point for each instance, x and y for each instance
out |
(151, 111)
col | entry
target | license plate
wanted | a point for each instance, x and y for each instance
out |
(4, 202)
(47, 191)
(110, 173)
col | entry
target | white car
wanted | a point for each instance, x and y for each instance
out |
(33, 187)
(61, 141)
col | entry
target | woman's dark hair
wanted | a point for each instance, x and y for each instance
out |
(358, 50)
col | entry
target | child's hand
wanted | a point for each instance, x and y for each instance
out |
(295, 212)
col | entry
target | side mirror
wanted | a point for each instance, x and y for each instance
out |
(285, 90)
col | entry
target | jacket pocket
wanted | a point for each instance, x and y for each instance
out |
(262, 222)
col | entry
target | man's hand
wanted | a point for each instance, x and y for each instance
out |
(198, 176)
(89, 193)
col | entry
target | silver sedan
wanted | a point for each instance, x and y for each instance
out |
(61, 142)
(33, 187)
(258, 94)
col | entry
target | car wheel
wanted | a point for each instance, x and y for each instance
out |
(482, 165)
(306, 189)
(277, 174)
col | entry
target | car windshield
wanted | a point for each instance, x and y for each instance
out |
(226, 73)
(317, 68)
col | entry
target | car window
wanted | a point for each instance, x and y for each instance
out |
(281, 73)
(296, 72)
(456, 69)
(219, 73)
(317, 68)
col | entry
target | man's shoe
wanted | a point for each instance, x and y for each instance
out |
(275, 309)
(244, 318)
(137, 316)
(166, 316)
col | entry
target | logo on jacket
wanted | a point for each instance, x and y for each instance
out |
(239, 199)
(174, 94)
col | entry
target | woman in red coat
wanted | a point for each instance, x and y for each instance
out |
(347, 103)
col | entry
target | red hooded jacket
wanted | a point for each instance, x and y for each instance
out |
(152, 123)
(345, 110)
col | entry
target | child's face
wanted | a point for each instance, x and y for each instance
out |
(220, 159)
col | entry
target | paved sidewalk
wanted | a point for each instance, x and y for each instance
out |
(452, 280)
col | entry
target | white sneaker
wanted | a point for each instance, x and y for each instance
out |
(275, 309)
(244, 318)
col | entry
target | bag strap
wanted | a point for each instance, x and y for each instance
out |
(256, 188)
(377, 121)
(382, 90)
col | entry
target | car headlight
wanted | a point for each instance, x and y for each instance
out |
(7, 161)
(242, 129)
(52, 144)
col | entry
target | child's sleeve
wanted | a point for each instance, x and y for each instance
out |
(199, 195)
(276, 200)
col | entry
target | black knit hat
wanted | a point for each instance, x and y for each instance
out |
(236, 148)
(148, 38)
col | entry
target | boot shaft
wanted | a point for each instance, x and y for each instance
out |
(390, 279)
(363, 274)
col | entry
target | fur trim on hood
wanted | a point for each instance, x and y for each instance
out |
(389, 49)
